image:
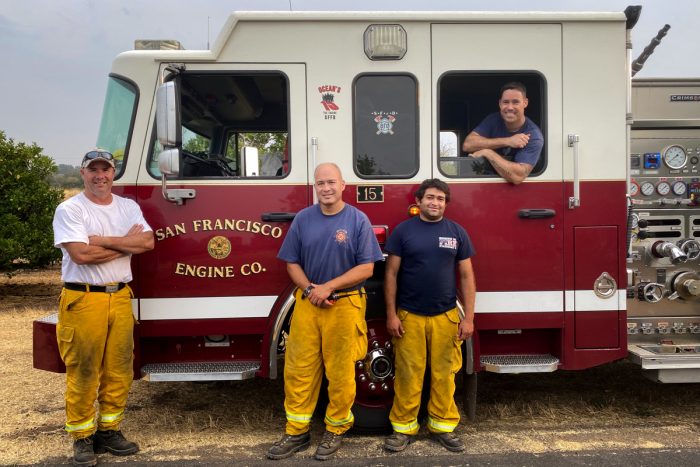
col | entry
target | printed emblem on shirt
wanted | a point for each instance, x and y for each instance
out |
(341, 236)
(447, 242)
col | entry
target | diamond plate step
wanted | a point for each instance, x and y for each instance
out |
(200, 371)
(519, 363)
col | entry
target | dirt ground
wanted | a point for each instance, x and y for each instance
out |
(612, 407)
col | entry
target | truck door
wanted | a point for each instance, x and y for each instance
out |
(517, 229)
(243, 175)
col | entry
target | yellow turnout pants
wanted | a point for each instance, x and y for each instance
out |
(95, 340)
(426, 339)
(332, 338)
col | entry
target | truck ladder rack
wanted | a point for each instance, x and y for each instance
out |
(519, 363)
(200, 371)
(668, 363)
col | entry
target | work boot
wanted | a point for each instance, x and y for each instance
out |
(113, 441)
(397, 442)
(329, 444)
(450, 440)
(84, 452)
(288, 445)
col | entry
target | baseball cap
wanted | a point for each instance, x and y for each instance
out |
(97, 155)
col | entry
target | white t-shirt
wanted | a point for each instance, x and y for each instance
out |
(78, 218)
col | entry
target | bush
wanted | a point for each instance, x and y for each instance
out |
(27, 205)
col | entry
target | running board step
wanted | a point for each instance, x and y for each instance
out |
(519, 363)
(668, 363)
(200, 371)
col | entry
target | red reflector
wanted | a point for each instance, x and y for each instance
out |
(380, 231)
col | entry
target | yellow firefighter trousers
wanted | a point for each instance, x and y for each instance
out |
(332, 338)
(433, 338)
(96, 343)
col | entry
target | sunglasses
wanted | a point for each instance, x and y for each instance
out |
(98, 155)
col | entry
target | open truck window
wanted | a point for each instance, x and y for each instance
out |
(465, 99)
(223, 117)
(385, 126)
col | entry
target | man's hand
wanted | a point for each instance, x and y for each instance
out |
(465, 329)
(394, 326)
(319, 295)
(519, 140)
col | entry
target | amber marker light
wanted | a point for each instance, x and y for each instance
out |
(381, 232)
(413, 210)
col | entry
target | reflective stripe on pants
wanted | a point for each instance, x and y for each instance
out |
(95, 340)
(426, 339)
(332, 338)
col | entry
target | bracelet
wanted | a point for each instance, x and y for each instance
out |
(307, 291)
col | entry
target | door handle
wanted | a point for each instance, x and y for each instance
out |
(278, 216)
(536, 213)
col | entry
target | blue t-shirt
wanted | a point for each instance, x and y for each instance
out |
(328, 246)
(429, 254)
(493, 126)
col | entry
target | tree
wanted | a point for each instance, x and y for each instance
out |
(27, 205)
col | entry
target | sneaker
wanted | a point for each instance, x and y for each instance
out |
(329, 445)
(84, 452)
(113, 441)
(397, 442)
(288, 445)
(451, 441)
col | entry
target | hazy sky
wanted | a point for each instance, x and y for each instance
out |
(55, 54)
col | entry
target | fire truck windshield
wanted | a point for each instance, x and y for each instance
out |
(117, 119)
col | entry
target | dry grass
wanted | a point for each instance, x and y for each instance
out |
(611, 407)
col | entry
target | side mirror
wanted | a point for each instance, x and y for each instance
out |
(169, 162)
(250, 162)
(168, 125)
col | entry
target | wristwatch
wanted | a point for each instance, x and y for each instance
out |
(307, 291)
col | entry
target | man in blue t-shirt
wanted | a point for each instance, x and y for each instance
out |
(508, 140)
(420, 291)
(330, 247)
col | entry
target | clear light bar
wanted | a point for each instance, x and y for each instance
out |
(385, 42)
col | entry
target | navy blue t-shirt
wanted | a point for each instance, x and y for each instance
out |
(493, 126)
(328, 246)
(429, 254)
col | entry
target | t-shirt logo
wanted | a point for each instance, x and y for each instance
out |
(447, 242)
(341, 236)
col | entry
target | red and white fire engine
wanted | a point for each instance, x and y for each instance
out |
(218, 148)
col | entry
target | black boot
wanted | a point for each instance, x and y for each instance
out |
(84, 452)
(288, 445)
(114, 442)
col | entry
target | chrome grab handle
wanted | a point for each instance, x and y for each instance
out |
(575, 201)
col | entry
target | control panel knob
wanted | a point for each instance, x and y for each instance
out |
(650, 292)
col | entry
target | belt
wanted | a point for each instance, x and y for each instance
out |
(111, 288)
(349, 289)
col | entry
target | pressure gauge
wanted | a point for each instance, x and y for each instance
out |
(675, 157)
(635, 221)
(634, 188)
(679, 188)
(647, 188)
(663, 188)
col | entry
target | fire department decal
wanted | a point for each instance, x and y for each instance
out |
(385, 122)
(341, 236)
(219, 247)
(447, 242)
(330, 107)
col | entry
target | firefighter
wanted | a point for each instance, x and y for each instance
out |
(330, 247)
(421, 298)
(508, 140)
(97, 232)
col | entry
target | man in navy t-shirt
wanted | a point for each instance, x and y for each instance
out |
(510, 141)
(420, 290)
(330, 247)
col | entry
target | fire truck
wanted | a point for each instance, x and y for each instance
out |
(218, 147)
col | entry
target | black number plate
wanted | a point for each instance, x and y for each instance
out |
(370, 193)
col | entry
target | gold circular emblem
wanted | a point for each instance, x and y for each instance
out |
(219, 247)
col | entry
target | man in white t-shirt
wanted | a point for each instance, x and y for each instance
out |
(97, 232)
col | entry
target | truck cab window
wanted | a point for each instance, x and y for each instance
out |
(233, 125)
(385, 132)
(465, 99)
(117, 119)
